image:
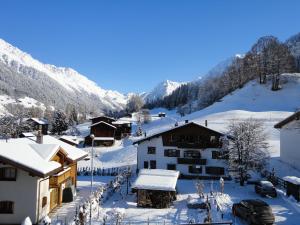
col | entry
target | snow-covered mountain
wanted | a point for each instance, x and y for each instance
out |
(77, 87)
(161, 90)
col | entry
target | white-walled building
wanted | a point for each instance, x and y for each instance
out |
(191, 149)
(33, 178)
(290, 140)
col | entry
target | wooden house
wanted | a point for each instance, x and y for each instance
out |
(123, 128)
(34, 178)
(191, 149)
(155, 188)
(104, 134)
(37, 124)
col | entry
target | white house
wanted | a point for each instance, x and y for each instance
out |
(33, 177)
(290, 139)
(191, 149)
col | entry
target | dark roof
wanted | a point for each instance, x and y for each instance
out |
(174, 128)
(295, 116)
(107, 124)
(107, 117)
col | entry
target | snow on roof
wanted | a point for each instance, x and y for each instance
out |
(26, 155)
(39, 121)
(104, 138)
(121, 122)
(28, 134)
(292, 179)
(156, 179)
(72, 152)
(94, 124)
(46, 151)
(73, 139)
(295, 116)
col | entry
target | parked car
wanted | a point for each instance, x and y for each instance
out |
(265, 188)
(254, 211)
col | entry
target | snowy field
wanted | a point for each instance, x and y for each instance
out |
(286, 210)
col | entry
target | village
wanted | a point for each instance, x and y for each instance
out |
(124, 171)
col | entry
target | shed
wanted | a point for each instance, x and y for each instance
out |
(293, 186)
(156, 188)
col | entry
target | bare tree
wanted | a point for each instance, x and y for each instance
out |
(248, 147)
(135, 103)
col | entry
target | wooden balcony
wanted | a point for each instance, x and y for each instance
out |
(191, 161)
(57, 179)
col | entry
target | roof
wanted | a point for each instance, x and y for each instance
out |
(292, 179)
(28, 134)
(156, 179)
(295, 116)
(172, 129)
(73, 139)
(39, 121)
(121, 122)
(28, 157)
(104, 138)
(103, 117)
(72, 153)
(94, 124)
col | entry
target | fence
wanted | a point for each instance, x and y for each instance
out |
(99, 171)
(276, 181)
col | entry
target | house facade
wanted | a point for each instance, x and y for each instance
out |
(34, 178)
(37, 124)
(290, 140)
(191, 149)
(104, 134)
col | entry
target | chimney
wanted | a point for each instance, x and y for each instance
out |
(39, 137)
(206, 123)
(186, 121)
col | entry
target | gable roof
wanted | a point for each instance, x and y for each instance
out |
(94, 124)
(107, 117)
(175, 128)
(28, 158)
(295, 116)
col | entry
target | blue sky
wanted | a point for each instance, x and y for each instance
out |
(130, 46)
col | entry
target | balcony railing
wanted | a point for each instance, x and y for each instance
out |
(193, 144)
(57, 179)
(191, 161)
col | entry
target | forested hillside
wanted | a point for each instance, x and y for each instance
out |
(266, 60)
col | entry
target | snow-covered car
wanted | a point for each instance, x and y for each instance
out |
(254, 211)
(265, 188)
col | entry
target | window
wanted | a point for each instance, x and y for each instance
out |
(152, 164)
(151, 150)
(220, 155)
(192, 154)
(146, 164)
(213, 139)
(195, 169)
(172, 153)
(215, 170)
(44, 201)
(171, 166)
(6, 207)
(8, 174)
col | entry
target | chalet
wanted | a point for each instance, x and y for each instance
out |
(123, 128)
(161, 114)
(104, 134)
(37, 124)
(155, 188)
(35, 178)
(290, 139)
(191, 149)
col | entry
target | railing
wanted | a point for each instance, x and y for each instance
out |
(192, 161)
(57, 179)
(276, 181)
